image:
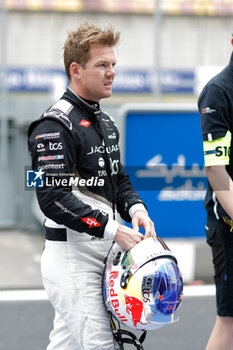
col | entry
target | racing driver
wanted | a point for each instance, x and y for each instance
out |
(74, 148)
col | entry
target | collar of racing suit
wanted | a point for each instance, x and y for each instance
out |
(93, 107)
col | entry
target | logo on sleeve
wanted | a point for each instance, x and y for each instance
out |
(40, 147)
(54, 146)
(51, 135)
(91, 222)
(85, 123)
(55, 157)
(207, 110)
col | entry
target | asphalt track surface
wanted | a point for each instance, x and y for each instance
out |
(26, 319)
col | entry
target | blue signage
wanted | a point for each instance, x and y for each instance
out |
(39, 79)
(177, 81)
(133, 81)
(34, 79)
(164, 158)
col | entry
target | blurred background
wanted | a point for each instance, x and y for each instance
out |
(168, 50)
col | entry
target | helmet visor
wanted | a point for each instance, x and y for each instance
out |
(164, 290)
(152, 315)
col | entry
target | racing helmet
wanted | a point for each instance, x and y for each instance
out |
(142, 287)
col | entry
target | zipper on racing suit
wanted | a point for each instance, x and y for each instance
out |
(98, 118)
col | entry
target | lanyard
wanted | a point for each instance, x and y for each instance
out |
(122, 336)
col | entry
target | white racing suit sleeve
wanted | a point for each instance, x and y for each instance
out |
(136, 207)
(111, 229)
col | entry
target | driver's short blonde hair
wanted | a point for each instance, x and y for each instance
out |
(77, 44)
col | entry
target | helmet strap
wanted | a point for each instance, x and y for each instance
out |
(122, 336)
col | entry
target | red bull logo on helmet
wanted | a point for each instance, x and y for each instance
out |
(114, 295)
(134, 307)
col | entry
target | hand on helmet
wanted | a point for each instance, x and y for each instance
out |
(141, 219)
(127, 238)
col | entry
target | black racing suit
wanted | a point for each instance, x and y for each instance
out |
(76, 145)
(216, 109)
(74, 139)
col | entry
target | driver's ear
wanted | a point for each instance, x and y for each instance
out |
(75, 70)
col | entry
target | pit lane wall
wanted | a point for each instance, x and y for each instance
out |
(163, 155)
